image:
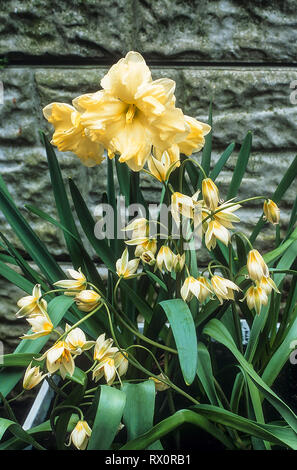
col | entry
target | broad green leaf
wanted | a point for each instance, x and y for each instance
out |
(183, 329)
(15, 278)
(108, 417)
(139, 409)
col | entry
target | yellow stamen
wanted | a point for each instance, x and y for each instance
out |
(130, 113)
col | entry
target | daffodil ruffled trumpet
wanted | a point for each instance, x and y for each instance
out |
(130, 115)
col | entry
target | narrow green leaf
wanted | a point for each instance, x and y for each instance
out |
(32, 244)
(18, 431)
(217, 330)
(62, 203)
(222, 161)
(172, 423)
(241, 164)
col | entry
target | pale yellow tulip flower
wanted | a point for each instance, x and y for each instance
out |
(256, 266)
(76, 340)
(87, 300)
(271, 212)
(126, 268)
(210, 194)
(41, 325)
(32, 377)
(80, 435)
(223, 288)
(32, 305)
(74, 285)
(255, 297)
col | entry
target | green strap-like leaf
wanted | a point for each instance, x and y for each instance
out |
(18, 431)
(239, 171)
(222, 161)
(183, 329)
(180, 418)
(217, 330)
(32, 244)
(108, 417)
(139, 410)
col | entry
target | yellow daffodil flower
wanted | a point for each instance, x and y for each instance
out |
(126, 268)
(70, 134)
(32, 377)
(87, 300)
(31, 305)
(223, 288)
(80, 435)
(77, 283)
(271, 212)
(76, 341)
(256, 266)
(255, 297)
(132, 113)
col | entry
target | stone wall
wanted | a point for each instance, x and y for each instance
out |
(242, 54)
